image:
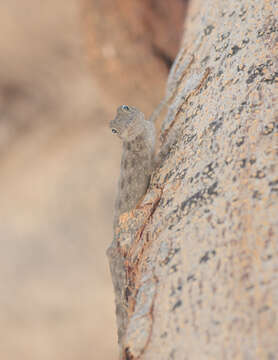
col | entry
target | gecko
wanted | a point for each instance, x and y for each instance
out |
(139, 139)
(138, 136)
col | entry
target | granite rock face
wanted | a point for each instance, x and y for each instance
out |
(199, 256)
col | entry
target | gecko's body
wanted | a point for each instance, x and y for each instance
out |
(137, 164)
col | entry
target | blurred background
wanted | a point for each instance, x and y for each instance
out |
(64, 68)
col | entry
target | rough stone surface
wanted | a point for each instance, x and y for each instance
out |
(199, 274)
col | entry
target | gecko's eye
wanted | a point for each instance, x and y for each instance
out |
(114, 131)
(125, 107)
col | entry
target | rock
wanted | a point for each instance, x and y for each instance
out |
(204, 261)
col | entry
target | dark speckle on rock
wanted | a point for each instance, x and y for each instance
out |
(240, 141)
(211, 189)
(242, 163)
(208, 29)
(273, 183)
(191, 278)
(176, 305)
(215, 125)
(268, 129)
(234, 50)
(207, 256)
(260, 174)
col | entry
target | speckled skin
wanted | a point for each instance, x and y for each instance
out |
(138, 136)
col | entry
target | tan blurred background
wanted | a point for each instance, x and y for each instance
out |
(64, 67)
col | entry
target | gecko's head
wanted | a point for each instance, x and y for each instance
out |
(128, 123)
